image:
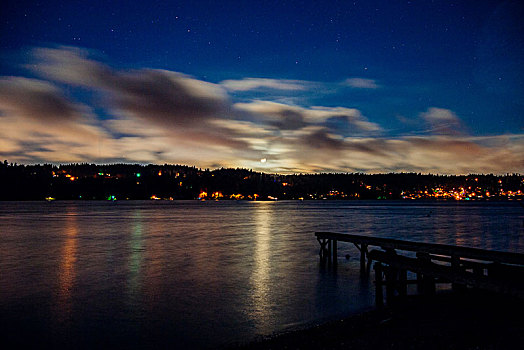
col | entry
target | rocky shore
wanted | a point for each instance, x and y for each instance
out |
(472, 320)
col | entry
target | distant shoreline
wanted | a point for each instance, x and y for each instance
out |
(425, 200)
(134, 181)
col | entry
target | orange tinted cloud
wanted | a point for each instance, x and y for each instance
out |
(162, 116)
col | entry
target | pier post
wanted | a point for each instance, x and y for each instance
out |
(391, 281)
(455, 265)
(323, 250)
(403, 283)
(420, 285)
(329, 252)
(379, 296)
(479, 271)
(391, 277)
(494, 270)
(428, 282)
(363, 252)
(335, 262)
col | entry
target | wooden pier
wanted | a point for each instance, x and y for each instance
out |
(463, 267)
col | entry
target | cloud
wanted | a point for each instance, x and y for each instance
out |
(247, 84)
(70, 65)
(439, 115)
(442, 121)
(289, 117)
(361, 83)
(456, 154)
(183, 106)
(322, 140)
(166, 98)
(351, 115)
(39, 123)
(29, 140)
(36, 99)
(162, 96)
(160, 116)
(318, 150)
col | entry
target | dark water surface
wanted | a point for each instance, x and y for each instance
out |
(205, 274)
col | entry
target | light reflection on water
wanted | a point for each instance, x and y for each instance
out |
(66, 274)
(135, 257)
(204, 274)
(260, 311)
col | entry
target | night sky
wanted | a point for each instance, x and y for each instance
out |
(275, 86)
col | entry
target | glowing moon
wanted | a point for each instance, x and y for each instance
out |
(263, 160)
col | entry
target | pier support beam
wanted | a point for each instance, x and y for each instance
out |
(363, 253)
(455, 265)
(335, 258)
(402, 283)
(328, 251)
(379, 296)
(391, 277)
(420, 284)
(428, 282)
(323, 252)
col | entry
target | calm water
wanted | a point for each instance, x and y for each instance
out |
(205, 274)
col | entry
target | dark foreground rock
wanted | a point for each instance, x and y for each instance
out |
(469, 321)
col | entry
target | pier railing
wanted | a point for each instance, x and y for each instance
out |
(434, 263)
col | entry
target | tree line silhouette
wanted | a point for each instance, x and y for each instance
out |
(135, 181)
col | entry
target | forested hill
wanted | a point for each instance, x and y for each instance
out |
(135, 181)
